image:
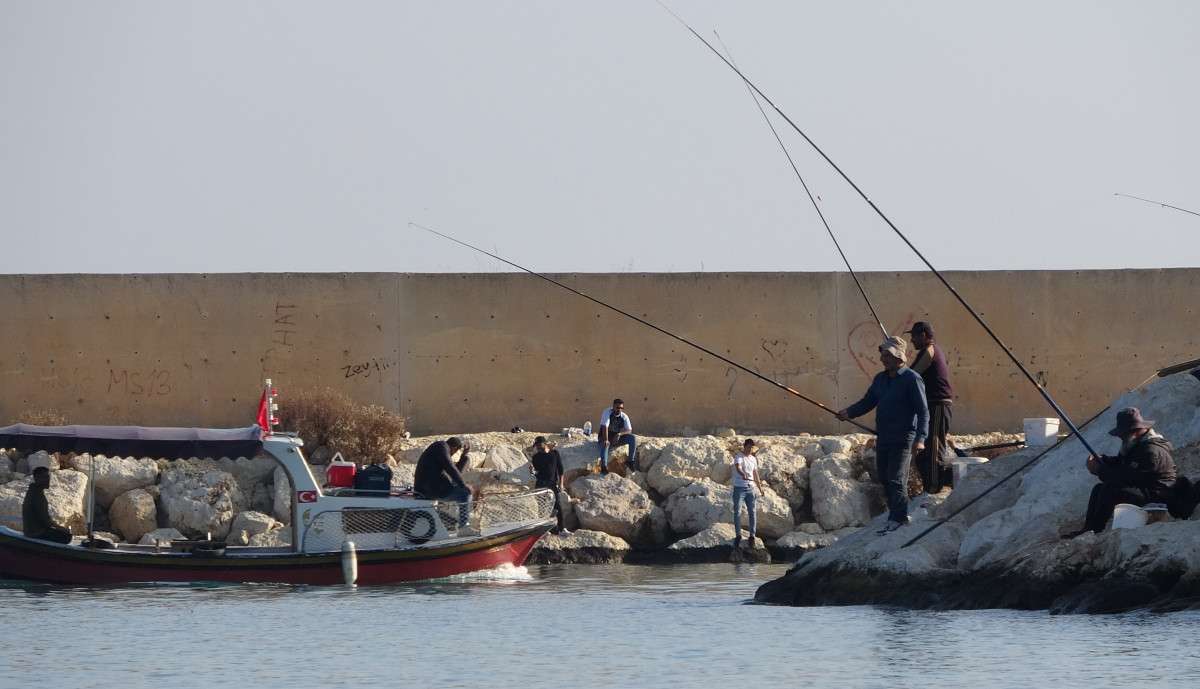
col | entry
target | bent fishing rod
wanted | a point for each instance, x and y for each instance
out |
(646, 323)
(941, 278)
(1157, 203)
(808, 191)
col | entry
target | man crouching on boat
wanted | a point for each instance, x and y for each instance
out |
(437, 478)
(35, 512)
(897, 394)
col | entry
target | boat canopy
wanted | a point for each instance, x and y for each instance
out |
(135, 441)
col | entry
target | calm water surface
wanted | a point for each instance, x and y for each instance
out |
(563, 626)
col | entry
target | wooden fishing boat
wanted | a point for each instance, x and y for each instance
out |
(338, 536)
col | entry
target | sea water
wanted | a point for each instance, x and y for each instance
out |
(571, 626)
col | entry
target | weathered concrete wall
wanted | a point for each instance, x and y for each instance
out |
(489, 351)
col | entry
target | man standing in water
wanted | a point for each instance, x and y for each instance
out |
(930, 362)
(897, 394)
(616, 429)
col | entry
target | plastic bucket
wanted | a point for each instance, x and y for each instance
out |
(1041, 432)
(1129, 517)
(962, 466)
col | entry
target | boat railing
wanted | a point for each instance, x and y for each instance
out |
(410, 527)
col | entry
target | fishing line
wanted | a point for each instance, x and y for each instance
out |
(646, 323)
(808, 191)
(1157, 203)
(978, 319)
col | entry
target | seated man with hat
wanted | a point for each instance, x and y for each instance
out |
(1141, 473)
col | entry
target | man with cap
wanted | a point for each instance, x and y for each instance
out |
(897, 394)
(930, 362)
(1142, 472)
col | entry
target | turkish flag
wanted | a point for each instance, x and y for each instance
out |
(264, 415)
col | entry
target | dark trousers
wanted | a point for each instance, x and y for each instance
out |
(53, 533)
(1106, 497)
(891, 465)
(930, 461)
(558, 511)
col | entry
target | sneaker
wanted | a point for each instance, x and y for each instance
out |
(565, 532)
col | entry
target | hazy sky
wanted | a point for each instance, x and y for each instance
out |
(597, 136)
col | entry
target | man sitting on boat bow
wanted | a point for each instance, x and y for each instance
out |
(35, 512)
(438, 478)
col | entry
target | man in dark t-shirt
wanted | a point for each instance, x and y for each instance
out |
(930, 362)
(35, 511)
(437, 478)
(548, 473)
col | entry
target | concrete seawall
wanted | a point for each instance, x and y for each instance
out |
(489, 351)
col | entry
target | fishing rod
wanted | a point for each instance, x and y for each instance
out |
(1157, 203)
(978, 319)
(1160, 373)
(808, 191)
(646, 323)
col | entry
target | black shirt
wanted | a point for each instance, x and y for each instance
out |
(35, 512)
(547, 469)
(936, 375)
(436, 474)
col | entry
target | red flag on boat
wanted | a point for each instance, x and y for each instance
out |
(264, 413)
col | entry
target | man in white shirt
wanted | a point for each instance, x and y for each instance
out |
(616, 429)
(745, 479)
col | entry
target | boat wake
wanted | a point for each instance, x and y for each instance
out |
(503, 574)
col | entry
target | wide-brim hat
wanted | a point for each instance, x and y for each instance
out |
(1129, 420)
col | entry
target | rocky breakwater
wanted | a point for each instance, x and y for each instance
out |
(678, 508)
(1008, 550)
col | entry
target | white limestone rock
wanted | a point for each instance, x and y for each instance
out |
(278, 537)
(41, 458)
(199, 503)
(836, 445)
(281, 504)
(116, 475)
(716, 536)
(610, 503)
(162, 536)
(505, 459)
(134, 514)
(66, 498)
(786, 471)
(247, 525)
(696, 507)
(803, 542)
(838, 498)
(582, 546)
(687, 460)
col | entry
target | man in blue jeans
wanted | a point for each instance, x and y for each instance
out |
(616, 429)
(745, 479)
(897, 394)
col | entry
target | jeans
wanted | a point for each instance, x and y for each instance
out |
(629, 440)
(743, 493)
(891, 464)
(461, 495)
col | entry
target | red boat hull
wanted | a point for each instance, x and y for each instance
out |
(23, 558)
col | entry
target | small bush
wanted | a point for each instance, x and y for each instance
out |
(324, 416)
(42, 417)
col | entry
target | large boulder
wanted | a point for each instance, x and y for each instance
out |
(41, 458)
(612, 504)
(116, 475)
(281, 503)
(505, 459)
(247, 473)
(583, 546)
(199, 503)
(66, 498)
(687, 460)
(839, 499)
(786, 471)
(134, 514)
(696, 507)
(278, 537)
(162, 536)
(247, 525)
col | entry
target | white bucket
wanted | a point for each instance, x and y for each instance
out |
(1129, 517)
(1041, 432)
(962, 466)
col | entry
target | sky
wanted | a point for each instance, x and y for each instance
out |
(151, 137)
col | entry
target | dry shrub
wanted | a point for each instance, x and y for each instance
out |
(42, 417)
(325, 416)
